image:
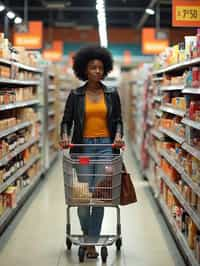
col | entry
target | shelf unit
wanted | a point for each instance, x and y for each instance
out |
(172, 135)
(176, 67)
(191, 123)
(182, 242)
(195, 187)
(155, 91)
(27, 123)
(195, 217)
(18, 82)
(51, 117)
(172, 110)
(172, 88)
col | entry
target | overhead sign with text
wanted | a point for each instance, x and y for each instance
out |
(33, 38)
(54, 53)
(186, 13)
(151, 45)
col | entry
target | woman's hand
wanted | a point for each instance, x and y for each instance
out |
(118, 141)
(65, 141)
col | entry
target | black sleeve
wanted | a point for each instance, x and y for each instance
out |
(67, 121)
(118, 115)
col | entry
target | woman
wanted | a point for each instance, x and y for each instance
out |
(95, 112)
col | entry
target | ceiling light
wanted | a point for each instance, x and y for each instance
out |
(2, 7)
(149, 11)
(10, 14)
(18, 20)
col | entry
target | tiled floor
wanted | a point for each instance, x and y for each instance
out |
(37, 234)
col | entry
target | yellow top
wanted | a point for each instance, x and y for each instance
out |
(95, 118)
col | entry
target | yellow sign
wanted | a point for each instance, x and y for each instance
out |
(186, 13)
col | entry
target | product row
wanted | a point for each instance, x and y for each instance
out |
(18, 162)
(10, 197)
(183, 221)
(16, 54)
(179, 53)
(13, 95)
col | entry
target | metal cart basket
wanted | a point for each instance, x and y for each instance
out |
(92, 180)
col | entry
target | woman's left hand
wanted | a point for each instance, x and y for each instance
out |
(118, 141)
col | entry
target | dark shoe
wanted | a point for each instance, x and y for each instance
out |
(91, 252)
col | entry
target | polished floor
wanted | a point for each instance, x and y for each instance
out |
(37, 234)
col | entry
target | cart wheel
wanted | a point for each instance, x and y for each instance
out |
(68, 243)
(81, 254)
(104, 254)
(119, 244)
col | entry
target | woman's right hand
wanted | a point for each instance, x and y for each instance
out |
(65, 141)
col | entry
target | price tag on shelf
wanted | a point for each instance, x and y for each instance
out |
(186, 13)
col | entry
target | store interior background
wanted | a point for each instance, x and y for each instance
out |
(73, 24)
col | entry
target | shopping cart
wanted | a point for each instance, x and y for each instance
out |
(104, 192)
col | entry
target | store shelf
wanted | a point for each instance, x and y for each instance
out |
(148, 174)
(14, 129)
(149, 122)
(172, 135)
(19, 82)
(18, 105)
(172, 161)
(195, 187)
(20, 66)
(157, 134)
(195, 217)
(27, 189)
(52, 127)
(172, 110)
(51, 100)
(157, 79)
(191, 91)
(153, 155)
(51, 74)
(191, 123)
(172, 88)
(157, 98)
(20, 172)
(9, 212)
(191, 150)
(179, 66)
(158, 113)
(18, 150)
(177, 233)
(5, 216)
(51, 113)
(51, 87)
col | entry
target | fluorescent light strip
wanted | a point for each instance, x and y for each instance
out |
(101, 16)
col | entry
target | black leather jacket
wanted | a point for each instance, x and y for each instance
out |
(75, 111)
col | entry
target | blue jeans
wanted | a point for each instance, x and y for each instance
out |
(91, 217)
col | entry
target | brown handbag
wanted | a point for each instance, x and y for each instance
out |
(128, 194)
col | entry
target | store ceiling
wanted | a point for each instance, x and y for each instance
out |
(82, 13)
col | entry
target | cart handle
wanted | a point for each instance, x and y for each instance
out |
(72, 145)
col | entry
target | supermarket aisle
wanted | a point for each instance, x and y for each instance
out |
(37, 236)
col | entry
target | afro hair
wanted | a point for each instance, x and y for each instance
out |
(86, 54)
